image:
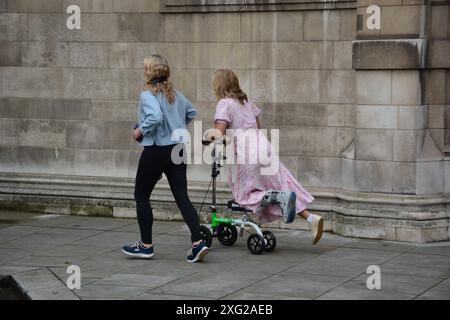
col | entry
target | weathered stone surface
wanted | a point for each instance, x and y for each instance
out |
(376, 117)
(322, 25)
(33, 108)
(190, 28)
(10, 54)
(413, 117)
(374, 144)
(32, 82)
(406, 88)
(91, 83)
(34, 5)
(132, 55)
(341, 86)
(342, 54)
(227, 55)
(440, 53)
(137, 6)
(92, 6)
(389, 54)
(272, 26)
(373, 87)
(407, 144)
(402, 21)
(89, 55)
(141, 27)
(45, 54)
(430, 177)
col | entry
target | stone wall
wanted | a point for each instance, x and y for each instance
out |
(362, 114)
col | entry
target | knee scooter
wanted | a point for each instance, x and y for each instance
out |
(225, 229)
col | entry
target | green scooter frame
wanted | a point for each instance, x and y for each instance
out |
(225, 229)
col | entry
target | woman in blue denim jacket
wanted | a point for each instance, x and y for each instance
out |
(162, 110)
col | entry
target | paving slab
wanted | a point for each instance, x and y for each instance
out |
(37, 249)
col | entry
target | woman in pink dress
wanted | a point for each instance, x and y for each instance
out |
(264, 193)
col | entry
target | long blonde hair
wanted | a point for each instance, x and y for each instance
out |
(157, 73)
(226, 85)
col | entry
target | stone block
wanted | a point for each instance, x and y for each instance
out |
(336, 115)
(345, 136)
(440, 54)
(412, 117)
(45, 54)
(271, 26)
(374, 144)
(322, 25)
(319, 171)
(99, 135)
(373, 87)
(32, 82)
(119, 212)
(374, 176)
(430, 177)
(342, 55)
(45, 160)
(436, 116)
(401, 21)
(13, 27)
(361, 231)
(41, 133)
(137, 6)
(350, 115)
(421, 235)
(407, 144)
(94, 162)
(227, 55)
(34, 6)
(439, 22)
(132, 55)
(2, 5)
(340, 86)
(52, 27)
(191, 27)
(446, 176)
(10, 54)
(348, 24)
(110, 110)
(33, 108)
(404, 178)
(376, 117)
(406, 88)
(89, 55)
(276, 115)
(141, 27)
(312, 141)
(389, 54)
(92, 6)
(91, 83)
(435, 80)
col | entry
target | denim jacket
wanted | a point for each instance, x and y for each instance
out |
(158, 119)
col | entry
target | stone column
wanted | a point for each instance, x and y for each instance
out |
(401, 74)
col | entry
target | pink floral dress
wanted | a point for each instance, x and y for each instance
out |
(245, 179)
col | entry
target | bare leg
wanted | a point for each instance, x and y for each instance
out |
(304, 214)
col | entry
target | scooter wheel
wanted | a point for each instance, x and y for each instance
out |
(271, 241)
(255, 243)
(206, 235)
(227, 234)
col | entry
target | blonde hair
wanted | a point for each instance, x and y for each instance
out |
(226, 85)
(157, 73)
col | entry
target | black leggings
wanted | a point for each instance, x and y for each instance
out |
(154, 161)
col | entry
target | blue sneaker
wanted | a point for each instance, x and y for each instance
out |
(197, 253)
(138, 250)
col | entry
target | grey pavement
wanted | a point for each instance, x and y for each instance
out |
(37, 249)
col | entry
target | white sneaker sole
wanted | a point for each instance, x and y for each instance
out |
(202, 254)
(138, 255)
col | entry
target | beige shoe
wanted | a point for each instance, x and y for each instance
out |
(316, 228)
